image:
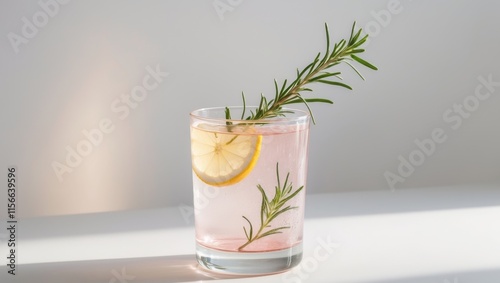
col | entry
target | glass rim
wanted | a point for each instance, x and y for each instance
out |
(299, 115)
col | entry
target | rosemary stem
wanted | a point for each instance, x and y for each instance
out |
(257, 236)
(294, 91)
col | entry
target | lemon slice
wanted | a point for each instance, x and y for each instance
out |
(222, 159)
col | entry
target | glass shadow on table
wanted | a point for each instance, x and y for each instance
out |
(179, 268)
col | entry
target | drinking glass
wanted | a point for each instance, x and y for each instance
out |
(249, 179)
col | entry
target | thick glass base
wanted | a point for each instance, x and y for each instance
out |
(249, 263)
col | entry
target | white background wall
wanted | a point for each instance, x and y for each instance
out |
(66, 76)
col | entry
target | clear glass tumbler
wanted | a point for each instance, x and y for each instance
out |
(249, 181)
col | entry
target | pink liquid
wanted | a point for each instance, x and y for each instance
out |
(219, 210)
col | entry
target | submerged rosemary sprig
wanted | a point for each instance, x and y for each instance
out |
(316, 72)
(270, 209)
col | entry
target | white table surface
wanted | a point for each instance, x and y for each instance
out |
(435, 235)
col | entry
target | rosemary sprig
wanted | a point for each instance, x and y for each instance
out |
(270, 209)
(345, 51)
